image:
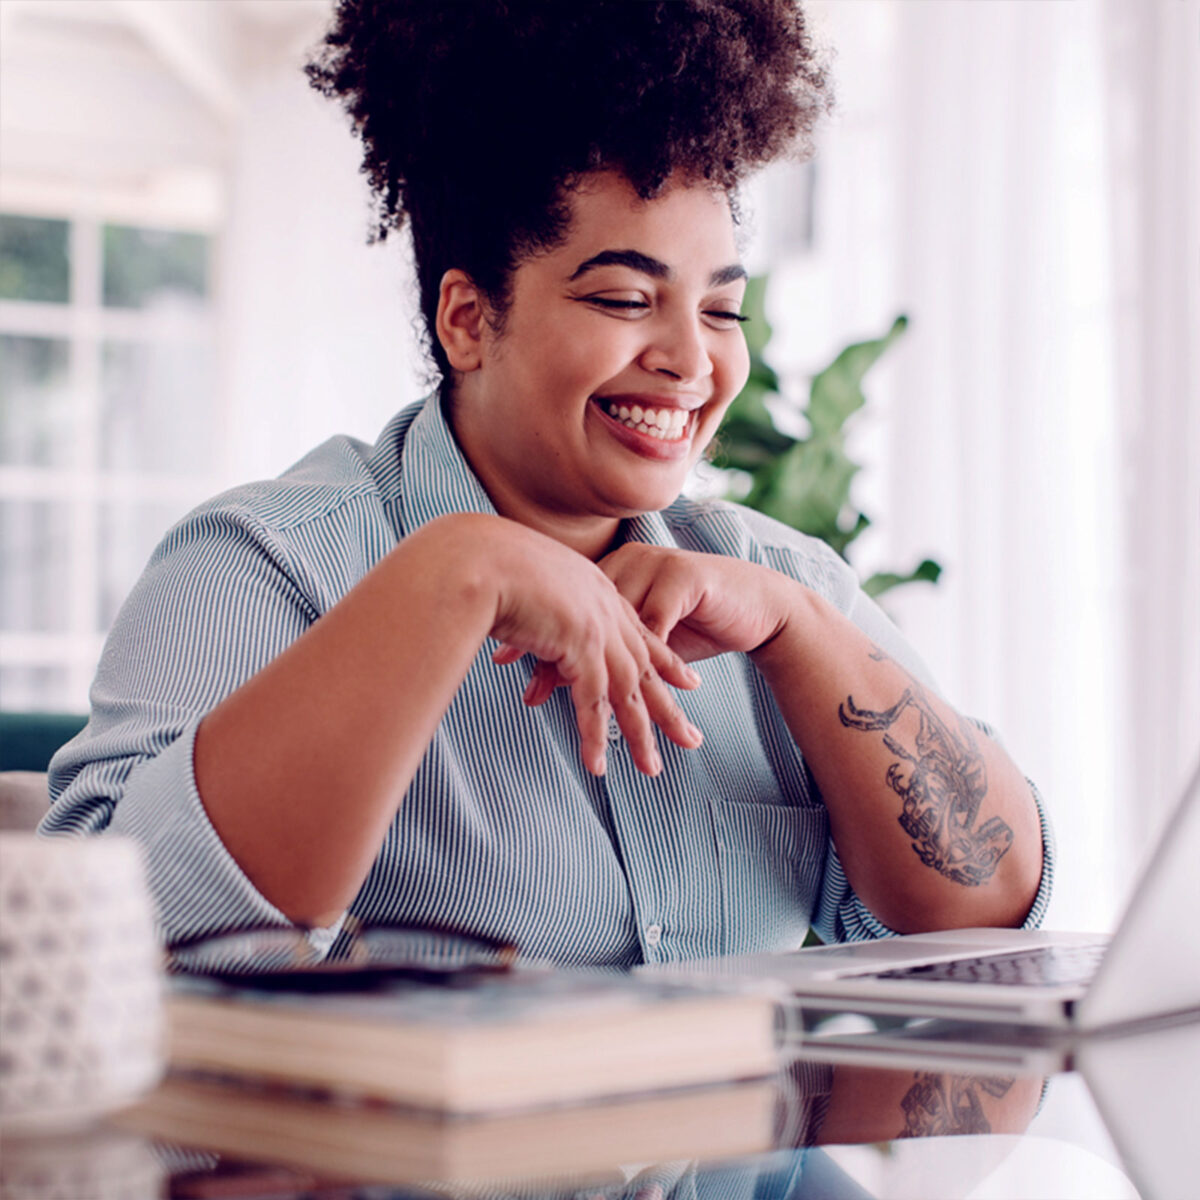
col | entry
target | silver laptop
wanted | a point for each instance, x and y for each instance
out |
(1149, 968)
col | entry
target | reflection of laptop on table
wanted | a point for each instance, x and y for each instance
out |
(1150, 968)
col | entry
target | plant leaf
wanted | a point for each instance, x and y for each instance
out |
(836, 392)
(927, 571)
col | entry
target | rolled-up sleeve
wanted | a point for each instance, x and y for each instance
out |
(188, 635)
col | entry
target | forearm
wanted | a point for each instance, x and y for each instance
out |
(868, 1104)
(301, 769)
(935, 826)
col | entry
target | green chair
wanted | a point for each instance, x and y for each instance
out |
(28, 741)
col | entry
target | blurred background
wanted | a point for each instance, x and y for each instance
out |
(188, 300)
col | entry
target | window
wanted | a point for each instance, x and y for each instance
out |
(109, 431)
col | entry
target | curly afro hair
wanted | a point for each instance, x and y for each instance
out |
(477, 117)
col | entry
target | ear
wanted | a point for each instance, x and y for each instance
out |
(461, 320)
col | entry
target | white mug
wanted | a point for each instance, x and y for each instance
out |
(82, 1025)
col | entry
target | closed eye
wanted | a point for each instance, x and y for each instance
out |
(722, 315)
(619, 305)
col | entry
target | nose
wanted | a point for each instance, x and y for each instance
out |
(678, 349)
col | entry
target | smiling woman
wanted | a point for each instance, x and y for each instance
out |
(493, 673)
(636, 309)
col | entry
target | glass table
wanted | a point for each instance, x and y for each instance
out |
(922, 1112)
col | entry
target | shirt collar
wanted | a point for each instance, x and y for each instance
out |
(650, 528)
(435, 478)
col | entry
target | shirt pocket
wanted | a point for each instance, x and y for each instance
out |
(771, 857)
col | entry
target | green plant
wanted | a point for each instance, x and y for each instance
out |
(806, 481)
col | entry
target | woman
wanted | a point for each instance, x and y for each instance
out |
(492, 673)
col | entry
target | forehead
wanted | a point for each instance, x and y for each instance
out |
(685, 226)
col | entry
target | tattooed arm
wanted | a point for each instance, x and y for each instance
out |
(935, 826)
(873, 1104)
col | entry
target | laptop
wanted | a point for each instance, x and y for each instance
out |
(1149, 968)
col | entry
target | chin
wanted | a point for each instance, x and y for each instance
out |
(644, 500)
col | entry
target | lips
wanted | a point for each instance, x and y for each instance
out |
(661, 432)
(666, 424)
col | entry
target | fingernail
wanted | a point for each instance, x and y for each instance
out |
(697, 736)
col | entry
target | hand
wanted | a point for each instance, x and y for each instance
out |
(701, 604)
(560, 607)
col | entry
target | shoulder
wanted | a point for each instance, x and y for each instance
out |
(322, 524)
(722, 527)
(340, 472)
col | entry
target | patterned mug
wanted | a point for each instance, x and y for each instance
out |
(82, 1024)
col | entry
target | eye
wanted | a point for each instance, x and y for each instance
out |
(615, 304)
(725, 316)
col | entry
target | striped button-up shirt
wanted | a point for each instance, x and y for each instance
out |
(502, 831)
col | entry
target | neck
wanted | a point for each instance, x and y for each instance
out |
(592, 536)
(588, 534)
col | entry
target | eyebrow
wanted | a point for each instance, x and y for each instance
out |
(635, 260)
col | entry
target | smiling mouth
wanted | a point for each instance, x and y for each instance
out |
(665, 424)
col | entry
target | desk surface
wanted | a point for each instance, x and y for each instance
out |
(1111, 1117)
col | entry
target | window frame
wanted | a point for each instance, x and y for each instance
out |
(80, 482)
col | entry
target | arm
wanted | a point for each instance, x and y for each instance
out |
(258, 749)
(934, 825)
(874, 1105)
(301, 769)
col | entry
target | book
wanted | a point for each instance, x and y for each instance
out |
(377, 1144)
(518, 1039)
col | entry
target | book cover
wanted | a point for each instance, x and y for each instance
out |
(509, 1040)
(375, 1143)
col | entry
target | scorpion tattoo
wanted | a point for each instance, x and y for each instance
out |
(942, 782)
(938, 1105)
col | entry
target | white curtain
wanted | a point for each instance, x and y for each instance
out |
(1020, 178)
(1152, 78)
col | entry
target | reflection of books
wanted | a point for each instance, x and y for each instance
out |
(505, 1041)
(373, 1143)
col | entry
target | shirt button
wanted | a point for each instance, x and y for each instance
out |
(653, 935)
(614, 730)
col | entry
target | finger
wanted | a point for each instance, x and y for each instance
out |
(630, 710)
(669, 665)
(663, 709)
(627, 672)
(661, 706)
(631, 577)
(662, 608)
(506, 654)
(588, 690)
(661, 589)
(542, 683)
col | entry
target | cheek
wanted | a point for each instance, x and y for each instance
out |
(734, 366)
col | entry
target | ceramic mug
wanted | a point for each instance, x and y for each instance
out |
(87, 1164)
(82, 1025)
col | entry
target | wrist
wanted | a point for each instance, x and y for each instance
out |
(799, 616)
(453, 559)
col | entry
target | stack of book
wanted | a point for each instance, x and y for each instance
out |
(522, 1074)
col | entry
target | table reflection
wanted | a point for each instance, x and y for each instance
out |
(908, 1128)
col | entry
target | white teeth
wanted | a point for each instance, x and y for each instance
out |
(667, 424)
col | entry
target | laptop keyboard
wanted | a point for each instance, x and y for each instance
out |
(1045, 965)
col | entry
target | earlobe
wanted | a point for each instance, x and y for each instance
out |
(460, 320)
